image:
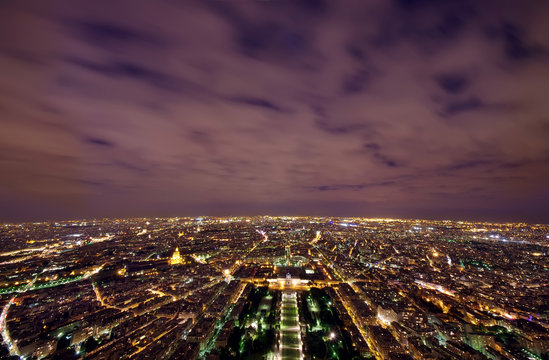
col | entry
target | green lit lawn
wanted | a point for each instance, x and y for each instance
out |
(290, 353)
(290, 328)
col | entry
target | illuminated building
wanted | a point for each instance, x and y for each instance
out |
(176, 258)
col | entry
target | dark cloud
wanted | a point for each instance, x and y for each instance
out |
(430, 26)
(515, 44)
(452, 83)
(356, 52)
(375, 151)
(352, 187)
(401, 108)
(256, 102)
(338, 187)
(385, 160)
(130, 70)
(263, 37)
(98, 141)
(356, 82)
(470, 164)
(451, 24)
(312, 6)
(413, 4)
(341, 129)
(270, 39)
(200, 136)
(111, 35)
(461, 106)
(132, 167)
(372, 146)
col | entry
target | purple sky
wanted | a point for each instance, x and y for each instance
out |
(410, 108)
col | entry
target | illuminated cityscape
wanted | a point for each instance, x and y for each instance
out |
(274, 288)
(274, 180)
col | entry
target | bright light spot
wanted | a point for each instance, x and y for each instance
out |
(226, 272)
(121, 272)
(332, 335)
(383, 319)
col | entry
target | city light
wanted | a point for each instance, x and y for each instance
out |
(279, 294)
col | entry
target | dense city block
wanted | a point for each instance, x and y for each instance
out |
(274, 288)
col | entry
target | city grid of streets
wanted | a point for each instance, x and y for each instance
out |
(274, 288)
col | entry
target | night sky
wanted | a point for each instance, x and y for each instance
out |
(417, 108)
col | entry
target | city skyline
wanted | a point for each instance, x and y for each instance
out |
(401, 109)
(273, 288)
